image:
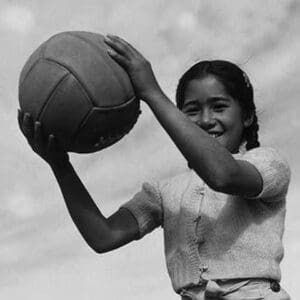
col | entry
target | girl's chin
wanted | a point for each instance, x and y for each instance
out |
(227, 145)
(220, 139)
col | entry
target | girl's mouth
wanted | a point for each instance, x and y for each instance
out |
(214, 134)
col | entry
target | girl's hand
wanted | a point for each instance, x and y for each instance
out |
(137, 67)
(46, 147)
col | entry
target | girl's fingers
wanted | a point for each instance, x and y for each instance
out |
(130, 48)
(127, 45)
(38, 136)
(20, 119)
(124, 62)
(51, 143)
(119, 45)
(27, 126)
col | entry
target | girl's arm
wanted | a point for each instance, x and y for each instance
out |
(102, 234)
(211, 161)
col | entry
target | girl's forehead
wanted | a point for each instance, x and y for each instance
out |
(208, 86)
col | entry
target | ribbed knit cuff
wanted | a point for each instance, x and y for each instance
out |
(146, 208)
(274, 171)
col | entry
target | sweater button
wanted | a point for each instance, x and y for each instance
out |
(197, 219)
(200, 241)
(275, 286)
(203, 268)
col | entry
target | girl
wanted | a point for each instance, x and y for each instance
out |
(223, 219)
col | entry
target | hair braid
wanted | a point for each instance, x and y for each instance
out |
(251, 134)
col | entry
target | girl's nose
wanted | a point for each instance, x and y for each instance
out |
(206, 120)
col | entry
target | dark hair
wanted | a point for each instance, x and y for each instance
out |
(236, 83)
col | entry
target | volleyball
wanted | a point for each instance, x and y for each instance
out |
(77, 92)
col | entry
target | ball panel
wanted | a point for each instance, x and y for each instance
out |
(97, 41)
(65, 110)
(103, 123)
(78, 56)
(37, 88)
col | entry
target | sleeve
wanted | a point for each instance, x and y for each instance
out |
(274, 170)
(146, 207)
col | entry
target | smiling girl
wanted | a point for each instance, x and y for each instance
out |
(223, 219)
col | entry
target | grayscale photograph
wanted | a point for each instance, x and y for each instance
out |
(149, 149)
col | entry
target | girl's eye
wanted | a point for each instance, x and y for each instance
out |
(191, 112)
(219, 108)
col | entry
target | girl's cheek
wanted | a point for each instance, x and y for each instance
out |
(228, 117)
(193, 118)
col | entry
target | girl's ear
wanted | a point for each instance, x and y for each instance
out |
(248, 121)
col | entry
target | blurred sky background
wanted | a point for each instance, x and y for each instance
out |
(42, 256)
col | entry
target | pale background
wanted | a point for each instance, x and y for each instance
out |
(42, 256)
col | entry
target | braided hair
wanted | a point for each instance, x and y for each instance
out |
(236, 83)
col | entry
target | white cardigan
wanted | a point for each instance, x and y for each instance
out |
(211, 235)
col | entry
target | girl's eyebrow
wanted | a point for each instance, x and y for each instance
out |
(194, 102)
(190, 103)
(219, 98)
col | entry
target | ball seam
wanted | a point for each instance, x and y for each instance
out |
(109, 65)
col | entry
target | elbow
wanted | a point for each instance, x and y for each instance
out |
(100, 250)
(100, 247)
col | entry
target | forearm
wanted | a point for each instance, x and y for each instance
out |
(211, 161)
(85, 214)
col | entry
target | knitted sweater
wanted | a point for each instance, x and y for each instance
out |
(211, 235)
